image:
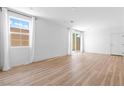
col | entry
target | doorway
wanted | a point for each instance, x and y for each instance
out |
(76, 42)
(117, 44)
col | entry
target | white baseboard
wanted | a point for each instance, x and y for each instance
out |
(38, 60)
(98, 53)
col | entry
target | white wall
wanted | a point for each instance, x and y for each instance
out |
(98, 39)
(51, 40)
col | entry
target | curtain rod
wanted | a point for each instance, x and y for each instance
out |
(18, 12)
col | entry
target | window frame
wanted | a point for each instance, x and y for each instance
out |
(30, 32)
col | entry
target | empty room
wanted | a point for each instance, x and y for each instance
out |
(62, 46)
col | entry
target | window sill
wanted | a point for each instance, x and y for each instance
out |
(21, 47)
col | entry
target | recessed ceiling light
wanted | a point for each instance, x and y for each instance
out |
(71, 21)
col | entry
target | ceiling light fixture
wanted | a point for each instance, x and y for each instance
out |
(71, 21)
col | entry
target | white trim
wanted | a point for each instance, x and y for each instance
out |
(82, 42)
(69, 42)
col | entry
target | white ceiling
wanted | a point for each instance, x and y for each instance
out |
(82, 16)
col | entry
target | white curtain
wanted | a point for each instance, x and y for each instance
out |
(33, 39)
(5, 41)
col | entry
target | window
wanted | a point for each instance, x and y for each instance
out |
(19, 32)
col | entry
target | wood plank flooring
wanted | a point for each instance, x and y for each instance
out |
(77, 70)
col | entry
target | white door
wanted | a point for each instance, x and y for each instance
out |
(117, 45)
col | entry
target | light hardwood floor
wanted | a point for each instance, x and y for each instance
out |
(81, 69)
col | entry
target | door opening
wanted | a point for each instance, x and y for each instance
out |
(76, 42)
(117, 44)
